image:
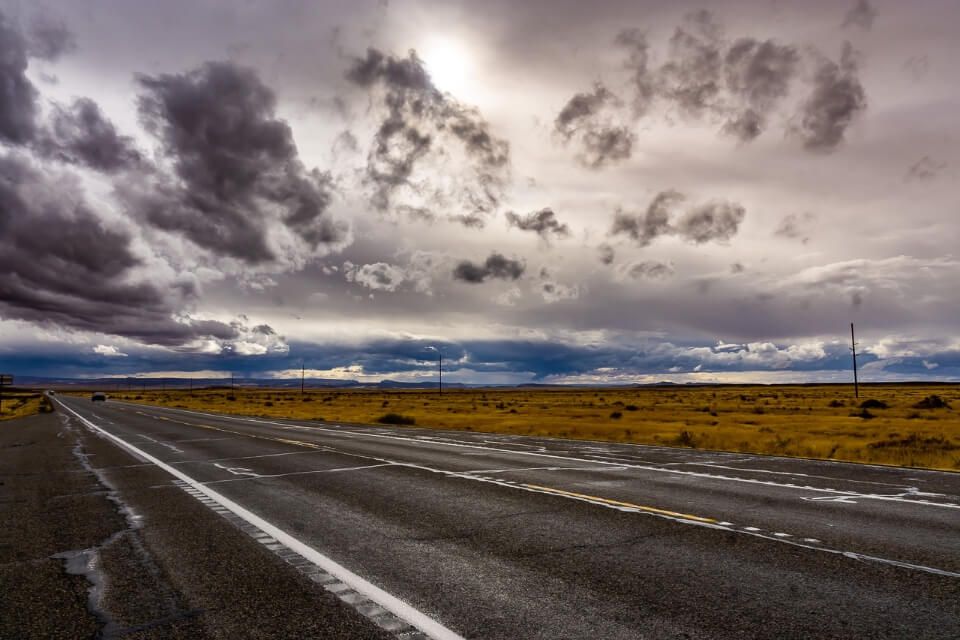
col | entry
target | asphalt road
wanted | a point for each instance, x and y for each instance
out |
(492, 536)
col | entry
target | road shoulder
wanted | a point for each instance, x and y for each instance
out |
(96, 542)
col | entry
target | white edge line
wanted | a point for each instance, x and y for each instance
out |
(389, 602)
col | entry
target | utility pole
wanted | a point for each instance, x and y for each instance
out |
(439, 367)
(853, 350)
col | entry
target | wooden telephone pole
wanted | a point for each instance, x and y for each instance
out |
(853, 350)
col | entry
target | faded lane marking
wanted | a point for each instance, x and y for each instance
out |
(257, 476)
(339, 432)
(401, 609)
(619, 503)
(807, 543)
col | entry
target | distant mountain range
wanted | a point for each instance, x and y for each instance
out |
(134, 384)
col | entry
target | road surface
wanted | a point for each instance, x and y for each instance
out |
(490, 536)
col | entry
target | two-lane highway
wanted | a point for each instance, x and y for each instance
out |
(488, 536)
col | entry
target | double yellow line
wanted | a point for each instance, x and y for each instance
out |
(536, 487)
(619, 503)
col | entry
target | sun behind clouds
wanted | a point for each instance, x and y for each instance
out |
(450, 64)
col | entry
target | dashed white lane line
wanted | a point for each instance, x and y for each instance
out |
(806, 543)
(840, 493)
(258, 476)
(401, 609)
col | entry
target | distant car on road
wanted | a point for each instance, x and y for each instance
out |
(98, 396)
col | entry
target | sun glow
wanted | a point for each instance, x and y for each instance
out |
(449, 64)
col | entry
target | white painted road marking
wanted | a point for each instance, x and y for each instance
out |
(842, 494)
(389, 602)
(751, 531)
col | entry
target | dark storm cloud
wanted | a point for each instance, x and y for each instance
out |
(49, 38)
(601, 142)
(637, 63)
(714, 221)
(496, 266)
(650, 269)
(421, 120)
(543, 222)
(236, 164)
(606, 145)
(82, 135)
(63, 266)
(860, 15)
(18, 97)
(580, 109)
(653, 223)
(758, 74)
(837, 98)
(691, 78)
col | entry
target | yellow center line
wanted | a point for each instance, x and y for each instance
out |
(559, 492)
(618, 503)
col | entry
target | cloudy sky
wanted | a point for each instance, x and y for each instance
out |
(550, 191)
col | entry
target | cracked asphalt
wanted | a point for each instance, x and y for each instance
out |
(170, 567)
(511, 537)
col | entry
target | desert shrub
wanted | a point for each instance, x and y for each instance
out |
(872, 403)
(138, 397)
(616, 415)
(396, 418)
(45, 405)
(932, 402)
(759, 410)
(686, 439)
(836, 403)
(863, 413)
(232, 398)
(268, 403)
(384, 403)
(914, 441)
(306, 399)
(513, 410)
(632, 407)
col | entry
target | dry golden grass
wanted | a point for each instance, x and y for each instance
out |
(809, 421)
(19, 404)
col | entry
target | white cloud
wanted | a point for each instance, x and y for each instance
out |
(109, 351)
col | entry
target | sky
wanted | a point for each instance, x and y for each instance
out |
(547, 191)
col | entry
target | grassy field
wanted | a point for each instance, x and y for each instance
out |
(18, 404)
(899, 425)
